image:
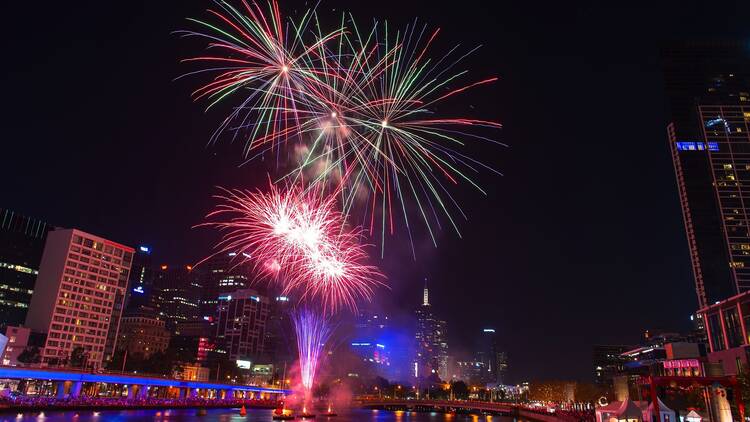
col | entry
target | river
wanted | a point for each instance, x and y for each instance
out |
(232, 415)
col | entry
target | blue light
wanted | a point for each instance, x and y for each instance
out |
(361, 344)
(696, 146)
(139, 289)
(23, 373)
(489, 330)
(381, 346)
(227, 297)
(255, 298)
(144, 249)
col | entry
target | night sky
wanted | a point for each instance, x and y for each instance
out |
(580, 242)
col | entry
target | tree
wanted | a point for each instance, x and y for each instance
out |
(460, 390)
(77, 357)
(30, 355)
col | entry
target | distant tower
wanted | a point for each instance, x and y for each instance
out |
(425, 294)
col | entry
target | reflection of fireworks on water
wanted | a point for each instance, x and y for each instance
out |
(300, 240)
(312, 331)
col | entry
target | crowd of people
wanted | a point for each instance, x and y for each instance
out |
(100, 403)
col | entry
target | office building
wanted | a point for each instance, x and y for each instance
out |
(81, 279)
(494, 361)
(220, 275)
(21, 244)
(708, 95)
(431, 341)
(241, 324)
(140, 292)
(177, 294)
(143, 333)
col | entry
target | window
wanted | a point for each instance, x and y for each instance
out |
(732, 325)
(717, 335)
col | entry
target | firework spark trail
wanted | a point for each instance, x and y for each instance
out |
(300, 240)
(313, 331)
(367, 106)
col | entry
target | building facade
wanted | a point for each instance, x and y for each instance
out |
(21, 245)
(143, 334)
(81, 279)
(177, 294)
(241, 324)
(220, 275)
(708, 90)
(140, 292)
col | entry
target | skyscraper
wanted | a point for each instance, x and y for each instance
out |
(82, 278)
(431, 341)
(708, 93)
(21, 245)
(241, 324)
(494, 362)
(221, 274)
(177, 294)
(140, 291)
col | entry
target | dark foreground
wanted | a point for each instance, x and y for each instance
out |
(227, 415)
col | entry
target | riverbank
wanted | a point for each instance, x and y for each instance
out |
(40, 405)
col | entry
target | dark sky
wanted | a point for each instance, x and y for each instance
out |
(580, 242)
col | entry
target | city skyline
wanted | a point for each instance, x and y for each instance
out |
(582, 239)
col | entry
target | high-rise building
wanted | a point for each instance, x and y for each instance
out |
(494, 361)
(81, 279)
(708, 96)
(241, 324)
(21, 245)
(220, 275)
(431, 341)
(177, 294)
(140, 292)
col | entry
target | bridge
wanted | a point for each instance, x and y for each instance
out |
(138, 386)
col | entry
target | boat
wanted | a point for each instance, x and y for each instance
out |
(282, 417)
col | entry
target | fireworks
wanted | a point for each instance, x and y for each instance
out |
(312, 331)
(300, 240)
(364, 116)
(360, 107)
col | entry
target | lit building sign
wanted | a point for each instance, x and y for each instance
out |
(243, 364)
(489, 330)
(144, 249)
(681, 363)
(696, 146)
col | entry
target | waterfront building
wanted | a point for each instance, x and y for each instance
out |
(81, 279)
(20, 339)
(431, 341)
(178, 294)
(21, 244)
(143, 333)
(708, 96)
(728, 330)
(241, 324)
(195, 341)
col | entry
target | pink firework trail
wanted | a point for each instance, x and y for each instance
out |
(312, 331)
(301, 241)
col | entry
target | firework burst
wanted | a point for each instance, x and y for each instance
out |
(366, 110)
(300, 240)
